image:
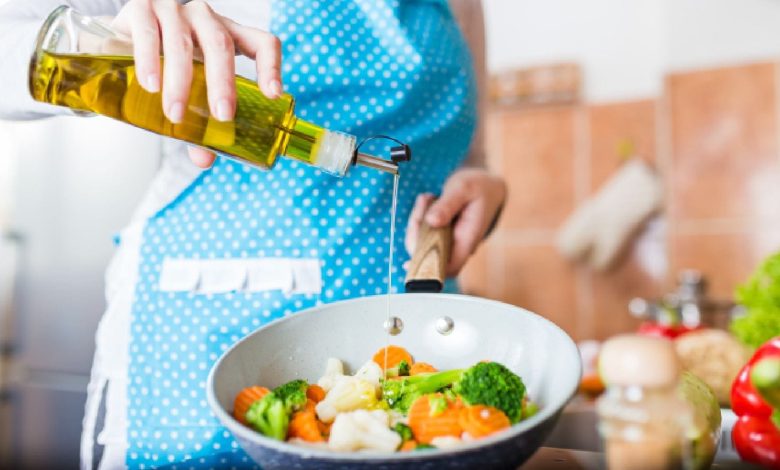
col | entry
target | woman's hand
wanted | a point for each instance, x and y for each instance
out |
(471, 196)
(175, 29)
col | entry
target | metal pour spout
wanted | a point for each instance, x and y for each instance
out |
(370, 161)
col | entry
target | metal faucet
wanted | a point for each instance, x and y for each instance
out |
(688, 305)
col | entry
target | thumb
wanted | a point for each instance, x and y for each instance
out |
(201, 157)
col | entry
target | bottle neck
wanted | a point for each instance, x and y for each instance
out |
(332, 152)
(304, 140)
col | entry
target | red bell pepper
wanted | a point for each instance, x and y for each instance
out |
(661, 330)
(755, 398)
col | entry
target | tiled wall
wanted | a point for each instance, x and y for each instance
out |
(715, 139)
(724, 170)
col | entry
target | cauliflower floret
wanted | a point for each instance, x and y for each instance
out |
(333, 371)
(446, 442)
(370, 372)
(363, 430)
(349, 393)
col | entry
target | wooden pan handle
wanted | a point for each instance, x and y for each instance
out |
(428, 267)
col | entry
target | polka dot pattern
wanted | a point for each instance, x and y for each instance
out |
(360, 66)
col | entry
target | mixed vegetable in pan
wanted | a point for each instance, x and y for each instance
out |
(404, 406)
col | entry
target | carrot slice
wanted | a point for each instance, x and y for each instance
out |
(244, 400)
(395, 354)
(408, 446)
(309, 406)
(324, 428)
(421, 368)
(315, 393)
(426, 427)
(303, 425)
(480, 420)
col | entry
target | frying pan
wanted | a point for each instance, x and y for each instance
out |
(299, 345)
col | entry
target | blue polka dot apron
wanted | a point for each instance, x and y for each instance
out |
(365, 67)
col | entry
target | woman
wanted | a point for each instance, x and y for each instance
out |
(397, 67)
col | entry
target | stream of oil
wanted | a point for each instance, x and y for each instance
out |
(387, 324)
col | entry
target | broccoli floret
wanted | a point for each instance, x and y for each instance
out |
(449, 394)
(399, 394)
(437, 403)
(401, 370)
(404, 431)
(271, 414)
(492, 384)
(424, 447)
(293, 394)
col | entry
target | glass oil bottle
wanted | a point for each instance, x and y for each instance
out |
(82, 64)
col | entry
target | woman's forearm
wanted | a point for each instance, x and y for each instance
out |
(20, 21)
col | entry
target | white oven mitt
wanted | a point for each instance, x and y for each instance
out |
(603, 225)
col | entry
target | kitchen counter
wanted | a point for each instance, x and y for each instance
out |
(564, 459)
(567, 459)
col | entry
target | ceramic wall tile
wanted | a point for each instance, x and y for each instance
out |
(724, 143)
(726, 259)
(537, 158)
(617, 128)
(535, 277)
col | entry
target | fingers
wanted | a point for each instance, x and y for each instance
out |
(266, 50)
(421, 206)
(153, 23)
(219, 58)
(269, 67)
(454, 197)
(467, 234)
(146, 45)
(177, 48)
(201, 157)
(471, 197)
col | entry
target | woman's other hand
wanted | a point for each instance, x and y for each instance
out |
(166, 26)
(472, 197)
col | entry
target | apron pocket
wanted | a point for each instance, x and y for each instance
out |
(216, 276)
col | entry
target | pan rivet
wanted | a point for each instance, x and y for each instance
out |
(394, 325)
(445, 325)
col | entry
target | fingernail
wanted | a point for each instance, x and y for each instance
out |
(224, 110)
(176, 112)
(275, 88)
(153, 83)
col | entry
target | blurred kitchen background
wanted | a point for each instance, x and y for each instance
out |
(579, 91)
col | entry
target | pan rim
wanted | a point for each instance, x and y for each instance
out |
(243, 432)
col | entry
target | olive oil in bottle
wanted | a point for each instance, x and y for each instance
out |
(82, 63)
(261, 129)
